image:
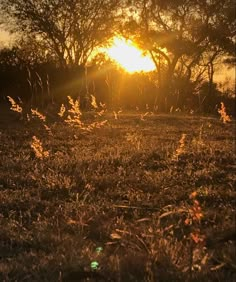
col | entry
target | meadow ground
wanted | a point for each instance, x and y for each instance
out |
(118, 203)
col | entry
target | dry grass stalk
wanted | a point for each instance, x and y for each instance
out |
(93, 102)
(142, 116)
(14, 106)
(116, 114)
(62, 110)
(75, 114)
(48, 129)
(223, 115)
(181, 149)
(135, 139)
(37, 147)
(37, 114)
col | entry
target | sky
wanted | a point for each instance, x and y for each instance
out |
(5, 38)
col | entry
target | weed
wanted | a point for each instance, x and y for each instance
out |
(93, 102)
(37, 147)
(101, 108)
(193, 220)
(135, 139)
(101, 113)
(223, 115)
(198, 142)
(48, 129)
(74, 116)
(37, 114)
(142, 116)
(117, 114)
(14, 106)
(96, 124)
(62, 111)
(181, 149)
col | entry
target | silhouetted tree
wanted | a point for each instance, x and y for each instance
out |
(71, 29)
(181, 35)
(12, 72)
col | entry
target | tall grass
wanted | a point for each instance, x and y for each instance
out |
(223, 114)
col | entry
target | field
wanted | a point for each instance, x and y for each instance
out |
(138, 198)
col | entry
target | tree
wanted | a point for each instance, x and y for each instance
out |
(12, 72)
(181, 35)
(70, 29)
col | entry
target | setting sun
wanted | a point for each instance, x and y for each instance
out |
(129, 57)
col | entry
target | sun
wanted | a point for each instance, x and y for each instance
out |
(129, 57)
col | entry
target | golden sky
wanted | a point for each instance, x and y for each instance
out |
(3, 35)
(6, 39)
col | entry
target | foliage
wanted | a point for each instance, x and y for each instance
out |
(187, 41)
(71, 29)
(184, 38)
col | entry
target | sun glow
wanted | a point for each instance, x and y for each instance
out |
(129, 57)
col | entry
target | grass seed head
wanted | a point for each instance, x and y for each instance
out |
(37, 114)
(93, 102)
(14, 106)
(73, 118)
(37, 147)
(223, 115)
(62, 110)
(181, 149)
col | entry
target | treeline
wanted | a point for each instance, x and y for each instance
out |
(47, 83)
(186, 39)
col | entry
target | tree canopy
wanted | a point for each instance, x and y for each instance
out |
(72, 29)
(186, 39)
